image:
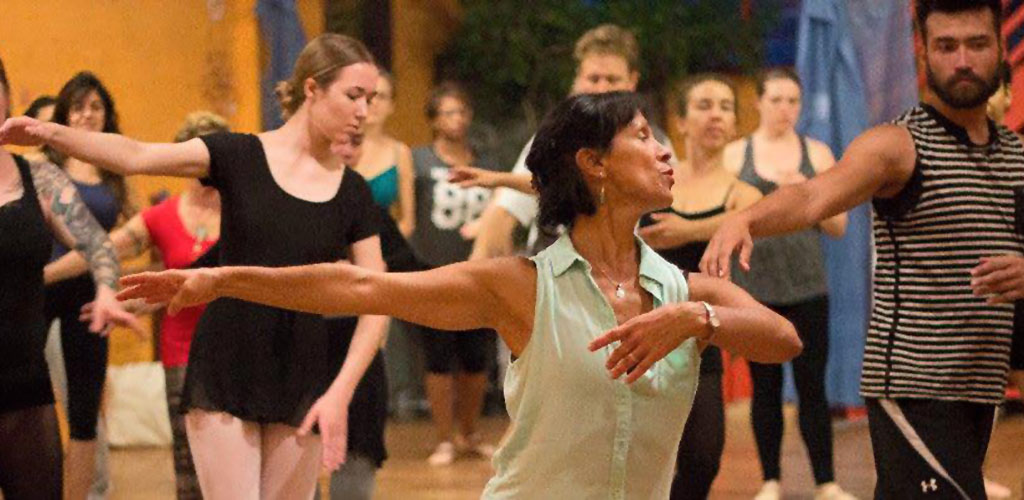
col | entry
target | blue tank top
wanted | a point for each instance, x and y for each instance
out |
(101, 202)
(384, 187)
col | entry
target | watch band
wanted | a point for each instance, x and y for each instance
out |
(712, 321)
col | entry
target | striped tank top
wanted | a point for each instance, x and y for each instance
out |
(929, 336)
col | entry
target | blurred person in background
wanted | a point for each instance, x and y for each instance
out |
(182, 228)
(703, 194)
(84, 103)
(386, 162)
(789, 277)
(38, 203)
(447, 214)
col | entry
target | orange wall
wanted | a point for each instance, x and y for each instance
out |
(419, 30)
(160, 59)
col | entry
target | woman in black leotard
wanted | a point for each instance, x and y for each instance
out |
(37, 203)
(259, 377)
(703, 193)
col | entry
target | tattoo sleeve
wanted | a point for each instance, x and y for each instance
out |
(70, 212)
(138, 241)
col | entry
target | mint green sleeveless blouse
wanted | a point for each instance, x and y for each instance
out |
(576, 433)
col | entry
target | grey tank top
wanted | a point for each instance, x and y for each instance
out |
(785, 269)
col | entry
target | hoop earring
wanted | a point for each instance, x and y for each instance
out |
(600, 199)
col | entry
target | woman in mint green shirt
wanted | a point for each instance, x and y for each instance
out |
(597, 305)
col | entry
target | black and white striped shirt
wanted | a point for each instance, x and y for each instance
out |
(929, 336)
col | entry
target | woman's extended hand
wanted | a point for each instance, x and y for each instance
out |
(107, 313)
(23, 131)
(466, 176)
(647, 338)
(177, 287)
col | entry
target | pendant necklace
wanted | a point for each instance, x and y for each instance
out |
(200, 239)
(620, 292)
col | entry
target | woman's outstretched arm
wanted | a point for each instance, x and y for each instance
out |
(113, 152)
(496, 293)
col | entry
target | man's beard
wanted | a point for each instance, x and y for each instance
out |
(978, 92)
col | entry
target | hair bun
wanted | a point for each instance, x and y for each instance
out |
(283, 89)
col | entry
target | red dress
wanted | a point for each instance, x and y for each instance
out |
(179, 249)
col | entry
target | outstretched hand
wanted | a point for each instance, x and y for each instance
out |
(179, 288)
(330, 414)
(732, 236)
(23, 131)
(649, 337)
(107, 312)
(466, 176)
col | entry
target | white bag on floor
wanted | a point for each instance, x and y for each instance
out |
(136, 411)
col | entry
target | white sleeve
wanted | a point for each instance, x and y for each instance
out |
(522, 206)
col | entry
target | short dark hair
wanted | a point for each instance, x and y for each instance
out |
(683, 95)
(445, 89)
(925, 8)
(38, 104)
(777, 73)
(585, 121)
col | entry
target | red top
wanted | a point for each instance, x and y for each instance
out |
(179, 249)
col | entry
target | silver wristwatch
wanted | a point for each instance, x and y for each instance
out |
(712, 319)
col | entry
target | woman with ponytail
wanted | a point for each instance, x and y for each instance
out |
(258, 379)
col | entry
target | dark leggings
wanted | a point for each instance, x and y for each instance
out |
(700, 450)
(85, 354)
(185, 479)
(811, 321)
(30, 454)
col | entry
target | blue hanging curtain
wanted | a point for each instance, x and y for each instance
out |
(835, 112)
(284, 38)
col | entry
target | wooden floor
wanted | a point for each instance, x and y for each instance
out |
(147, 473)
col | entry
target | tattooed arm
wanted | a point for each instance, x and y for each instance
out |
(73, 224)
(129, 240)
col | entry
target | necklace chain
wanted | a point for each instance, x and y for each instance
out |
(620, 291)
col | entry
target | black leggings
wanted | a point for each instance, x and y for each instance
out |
(700, 449)
(85, 354)
(811, 321)
(30, 454)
